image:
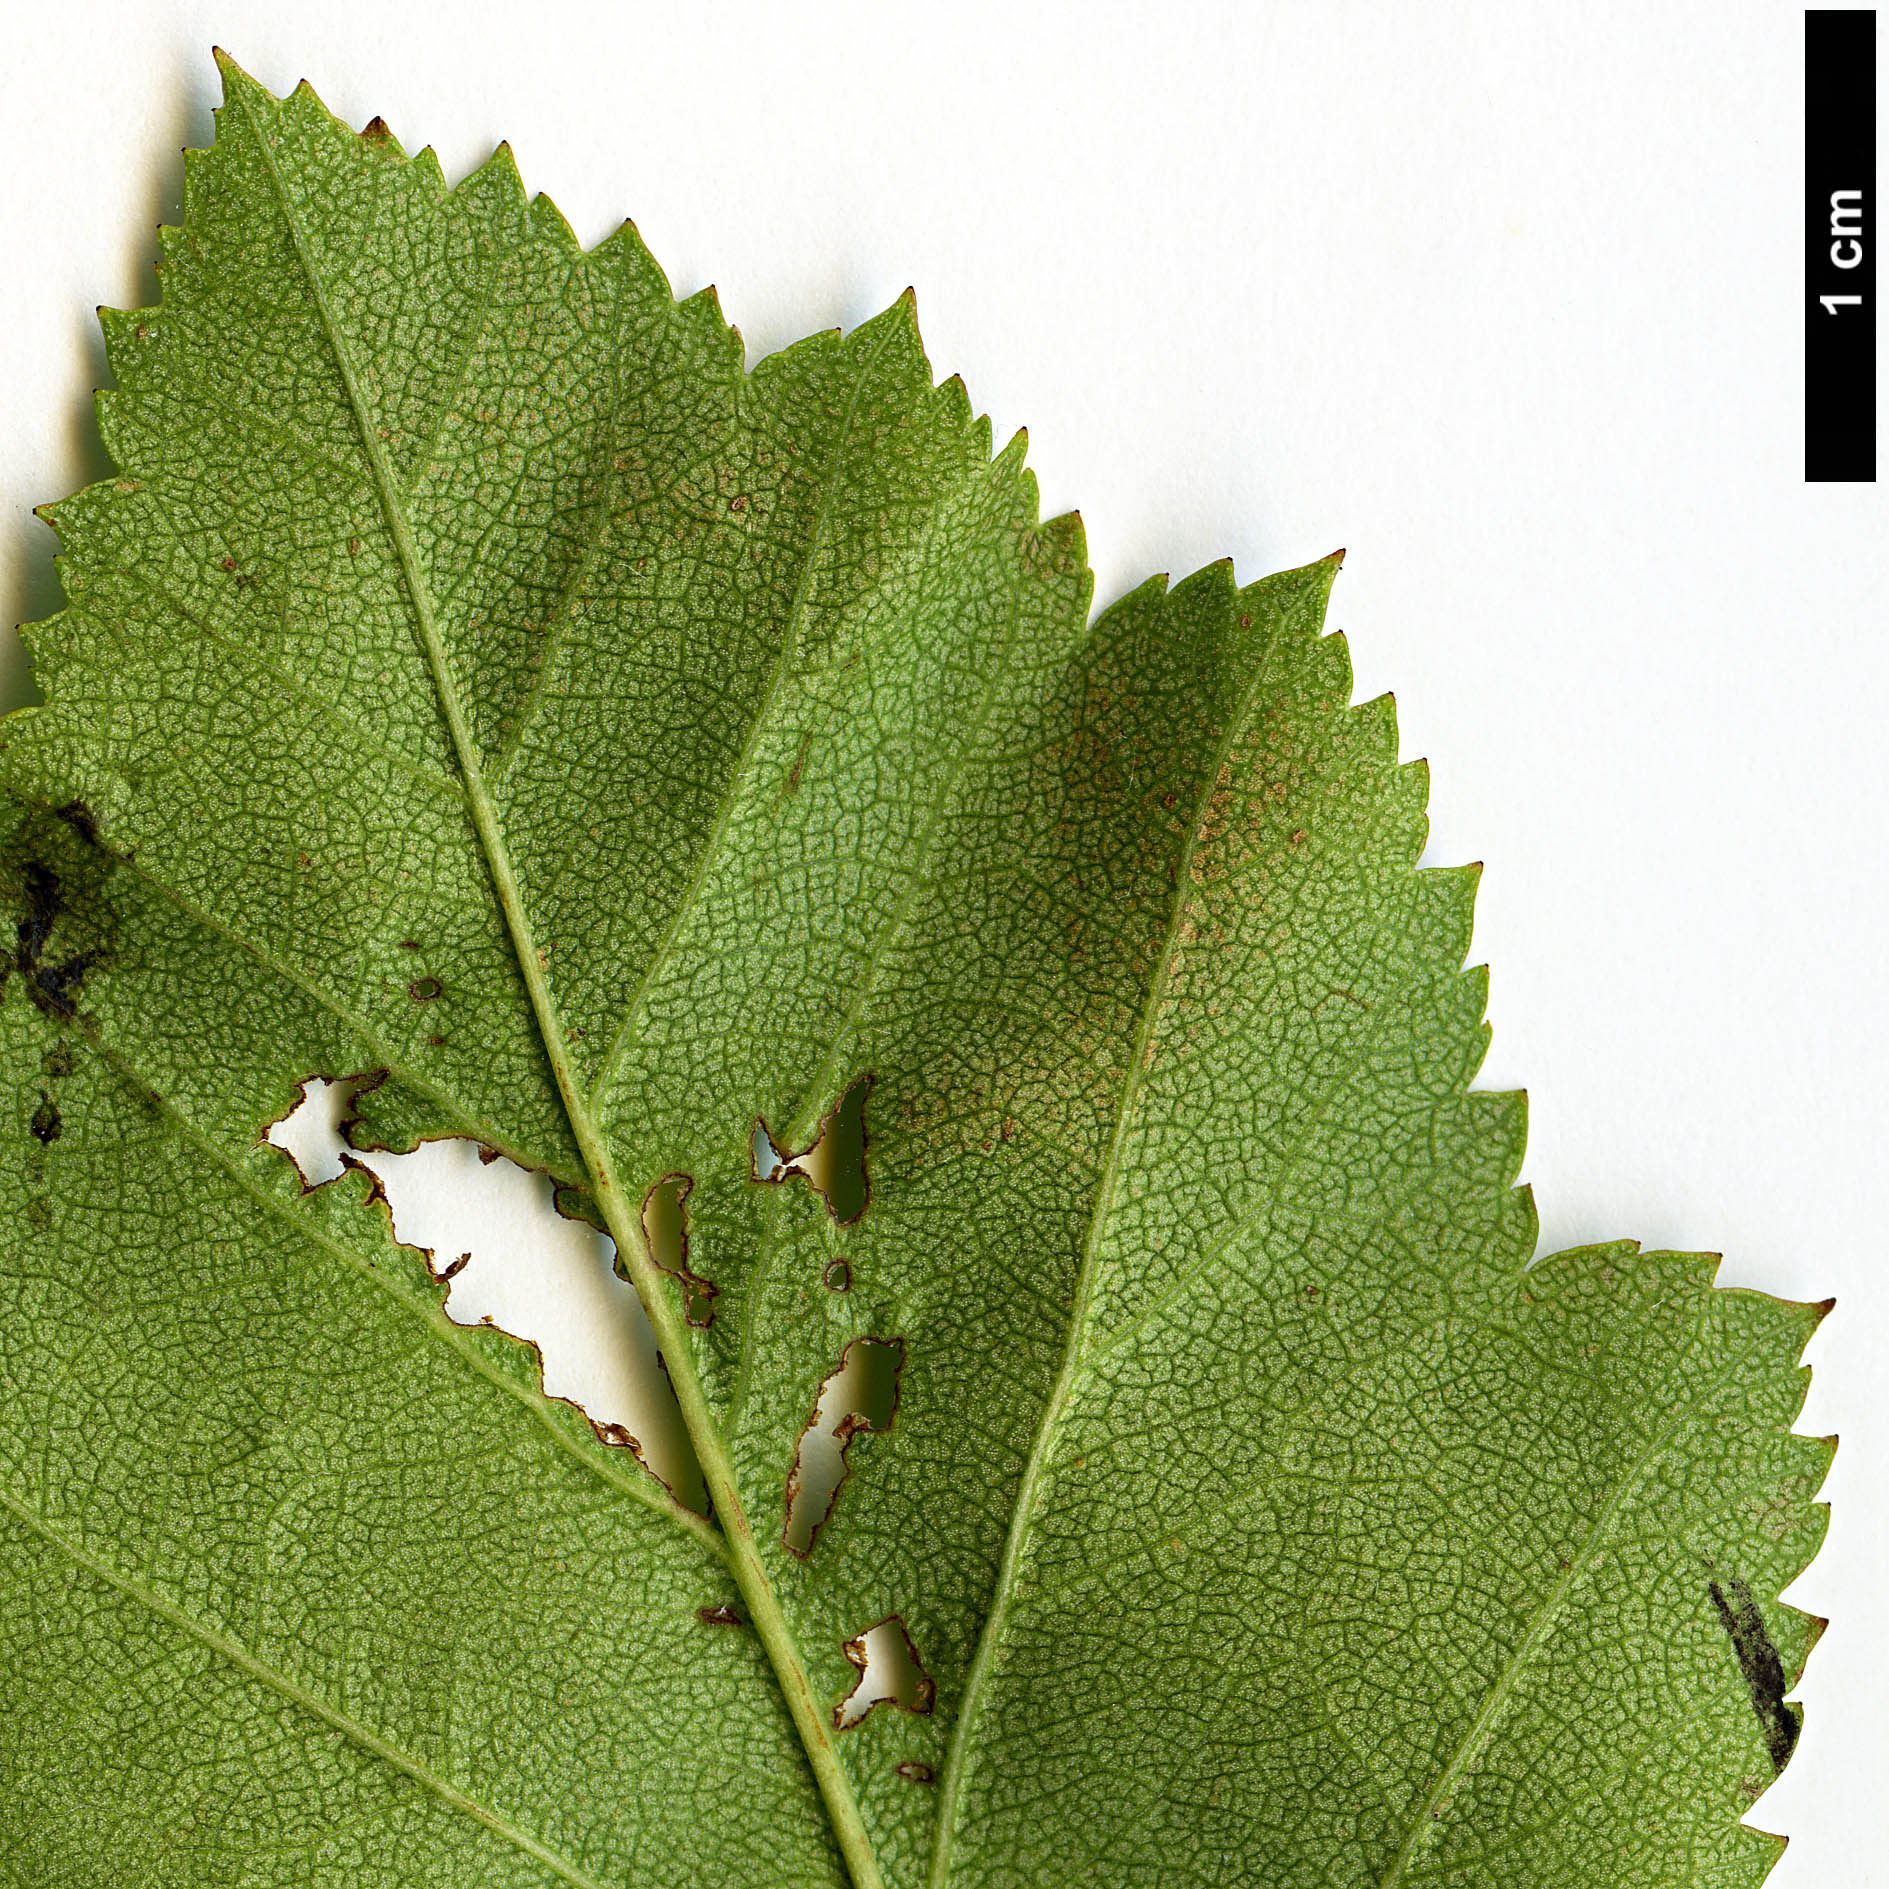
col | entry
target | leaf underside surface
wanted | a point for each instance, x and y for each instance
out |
(478, 682)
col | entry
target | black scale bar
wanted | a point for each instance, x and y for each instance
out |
(1840, 245)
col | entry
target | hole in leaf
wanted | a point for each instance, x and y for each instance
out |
(833, 1164)
(491, 1230)
(310, 1134)
(666, 1228)
(915, 1773)
(862, 1394)
(890, 1673)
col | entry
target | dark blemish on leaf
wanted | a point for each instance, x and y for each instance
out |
(722, 1616)
(59, 1060)
(46, 1123)
(861, 1394)
(229, 564)
(456, 1268)
(833, 1164)
(1763, 1670)
(800, 760)
(487, 1156)
(436, 1042)
(54, 988)
(915, 1773)
(80, 818)
(376, 127)
(666, 1231)
(424, 989)
(409, 944)
(890, 1673)
(838, 1276)
(42, 911)
(39, 1213)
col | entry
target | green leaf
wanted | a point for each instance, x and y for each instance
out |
(1021, 1067)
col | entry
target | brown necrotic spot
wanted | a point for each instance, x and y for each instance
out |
(890, 1673)
(862, 1394)
(722, 1616)
(666, 1232)
(1762, 1668)
(46, 1124)
(833, 1164)
(424, 989)
(915, 1773)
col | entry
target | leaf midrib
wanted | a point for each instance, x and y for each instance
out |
(327, 1001)
(765, 1614)
(642, 1488)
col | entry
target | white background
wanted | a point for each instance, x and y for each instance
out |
(1507, 300)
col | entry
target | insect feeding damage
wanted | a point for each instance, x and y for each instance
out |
(666, 1230)
(833, 1164)
(862, 1394)
(497, 1235)
(890, 1673)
